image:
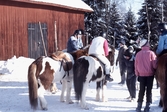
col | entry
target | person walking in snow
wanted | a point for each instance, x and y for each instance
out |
(145, 65)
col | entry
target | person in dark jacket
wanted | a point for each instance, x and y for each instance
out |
(129, 56)
(75, 41)
(121, 61)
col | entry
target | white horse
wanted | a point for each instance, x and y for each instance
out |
(45, 71)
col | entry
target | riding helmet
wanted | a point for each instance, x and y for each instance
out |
(162, 27)
(103, 34)
(78, 32)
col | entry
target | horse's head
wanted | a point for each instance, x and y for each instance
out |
(111, 54)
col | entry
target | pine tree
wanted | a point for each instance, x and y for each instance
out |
(130, 27)
(164, 8)
(96, 22)
(116, 26)
(149, 18)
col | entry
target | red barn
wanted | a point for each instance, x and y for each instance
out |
(32, 28)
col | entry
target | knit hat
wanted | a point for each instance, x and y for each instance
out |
(143, 42)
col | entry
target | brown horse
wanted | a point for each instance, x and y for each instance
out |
(87, 69)
(45, 71)
(161, 75)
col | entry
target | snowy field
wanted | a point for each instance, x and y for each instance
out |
(14, 93)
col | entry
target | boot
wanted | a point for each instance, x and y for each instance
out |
(147, 108)
(108, 78)
(139, 106)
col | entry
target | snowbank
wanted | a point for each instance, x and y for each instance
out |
(15, 65)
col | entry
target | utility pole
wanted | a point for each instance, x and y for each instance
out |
(162, 9)
(107, 3)
(148, 23)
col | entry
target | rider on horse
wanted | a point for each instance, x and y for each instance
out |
(75, 41)
(162, 45)
(99, 48)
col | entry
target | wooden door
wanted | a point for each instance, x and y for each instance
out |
(36, 48)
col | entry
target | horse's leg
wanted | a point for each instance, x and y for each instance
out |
(83, 100)
(98, 87)
(68, 93)
(164, 99)
(53, 88)
(160, 103)
(104, 91)
(42, 100)
(63, 89)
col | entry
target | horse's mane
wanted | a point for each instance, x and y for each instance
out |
(79, 53)
(111, 56)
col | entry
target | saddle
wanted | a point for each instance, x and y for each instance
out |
(66, 63)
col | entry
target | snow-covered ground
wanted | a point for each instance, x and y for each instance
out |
(14, 92)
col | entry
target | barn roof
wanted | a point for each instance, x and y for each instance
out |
(69, 4)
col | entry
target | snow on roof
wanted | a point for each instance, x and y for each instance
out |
(70, 4)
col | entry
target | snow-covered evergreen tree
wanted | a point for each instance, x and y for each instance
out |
(164, 8)
(116, 24)
(105, 18)
(130, 27)
(95, 22)
(149, 18)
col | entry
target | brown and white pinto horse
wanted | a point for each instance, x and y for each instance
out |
(47, 70)
(161, 76)
(87, 69)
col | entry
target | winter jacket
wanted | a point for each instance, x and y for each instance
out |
(145, 62)
(130, 66)
(162, 44)
(121, 52)
(74, 44)
(99, 46)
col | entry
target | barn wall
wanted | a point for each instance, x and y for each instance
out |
(14, 17)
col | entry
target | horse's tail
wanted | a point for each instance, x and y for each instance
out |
(80, 71)
(33, 85)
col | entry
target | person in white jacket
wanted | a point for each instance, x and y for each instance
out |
(99, 48)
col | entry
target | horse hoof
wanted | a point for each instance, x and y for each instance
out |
(104, 100)
(62, 101)
(71, 102)
(45, 109)
(86, 108)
